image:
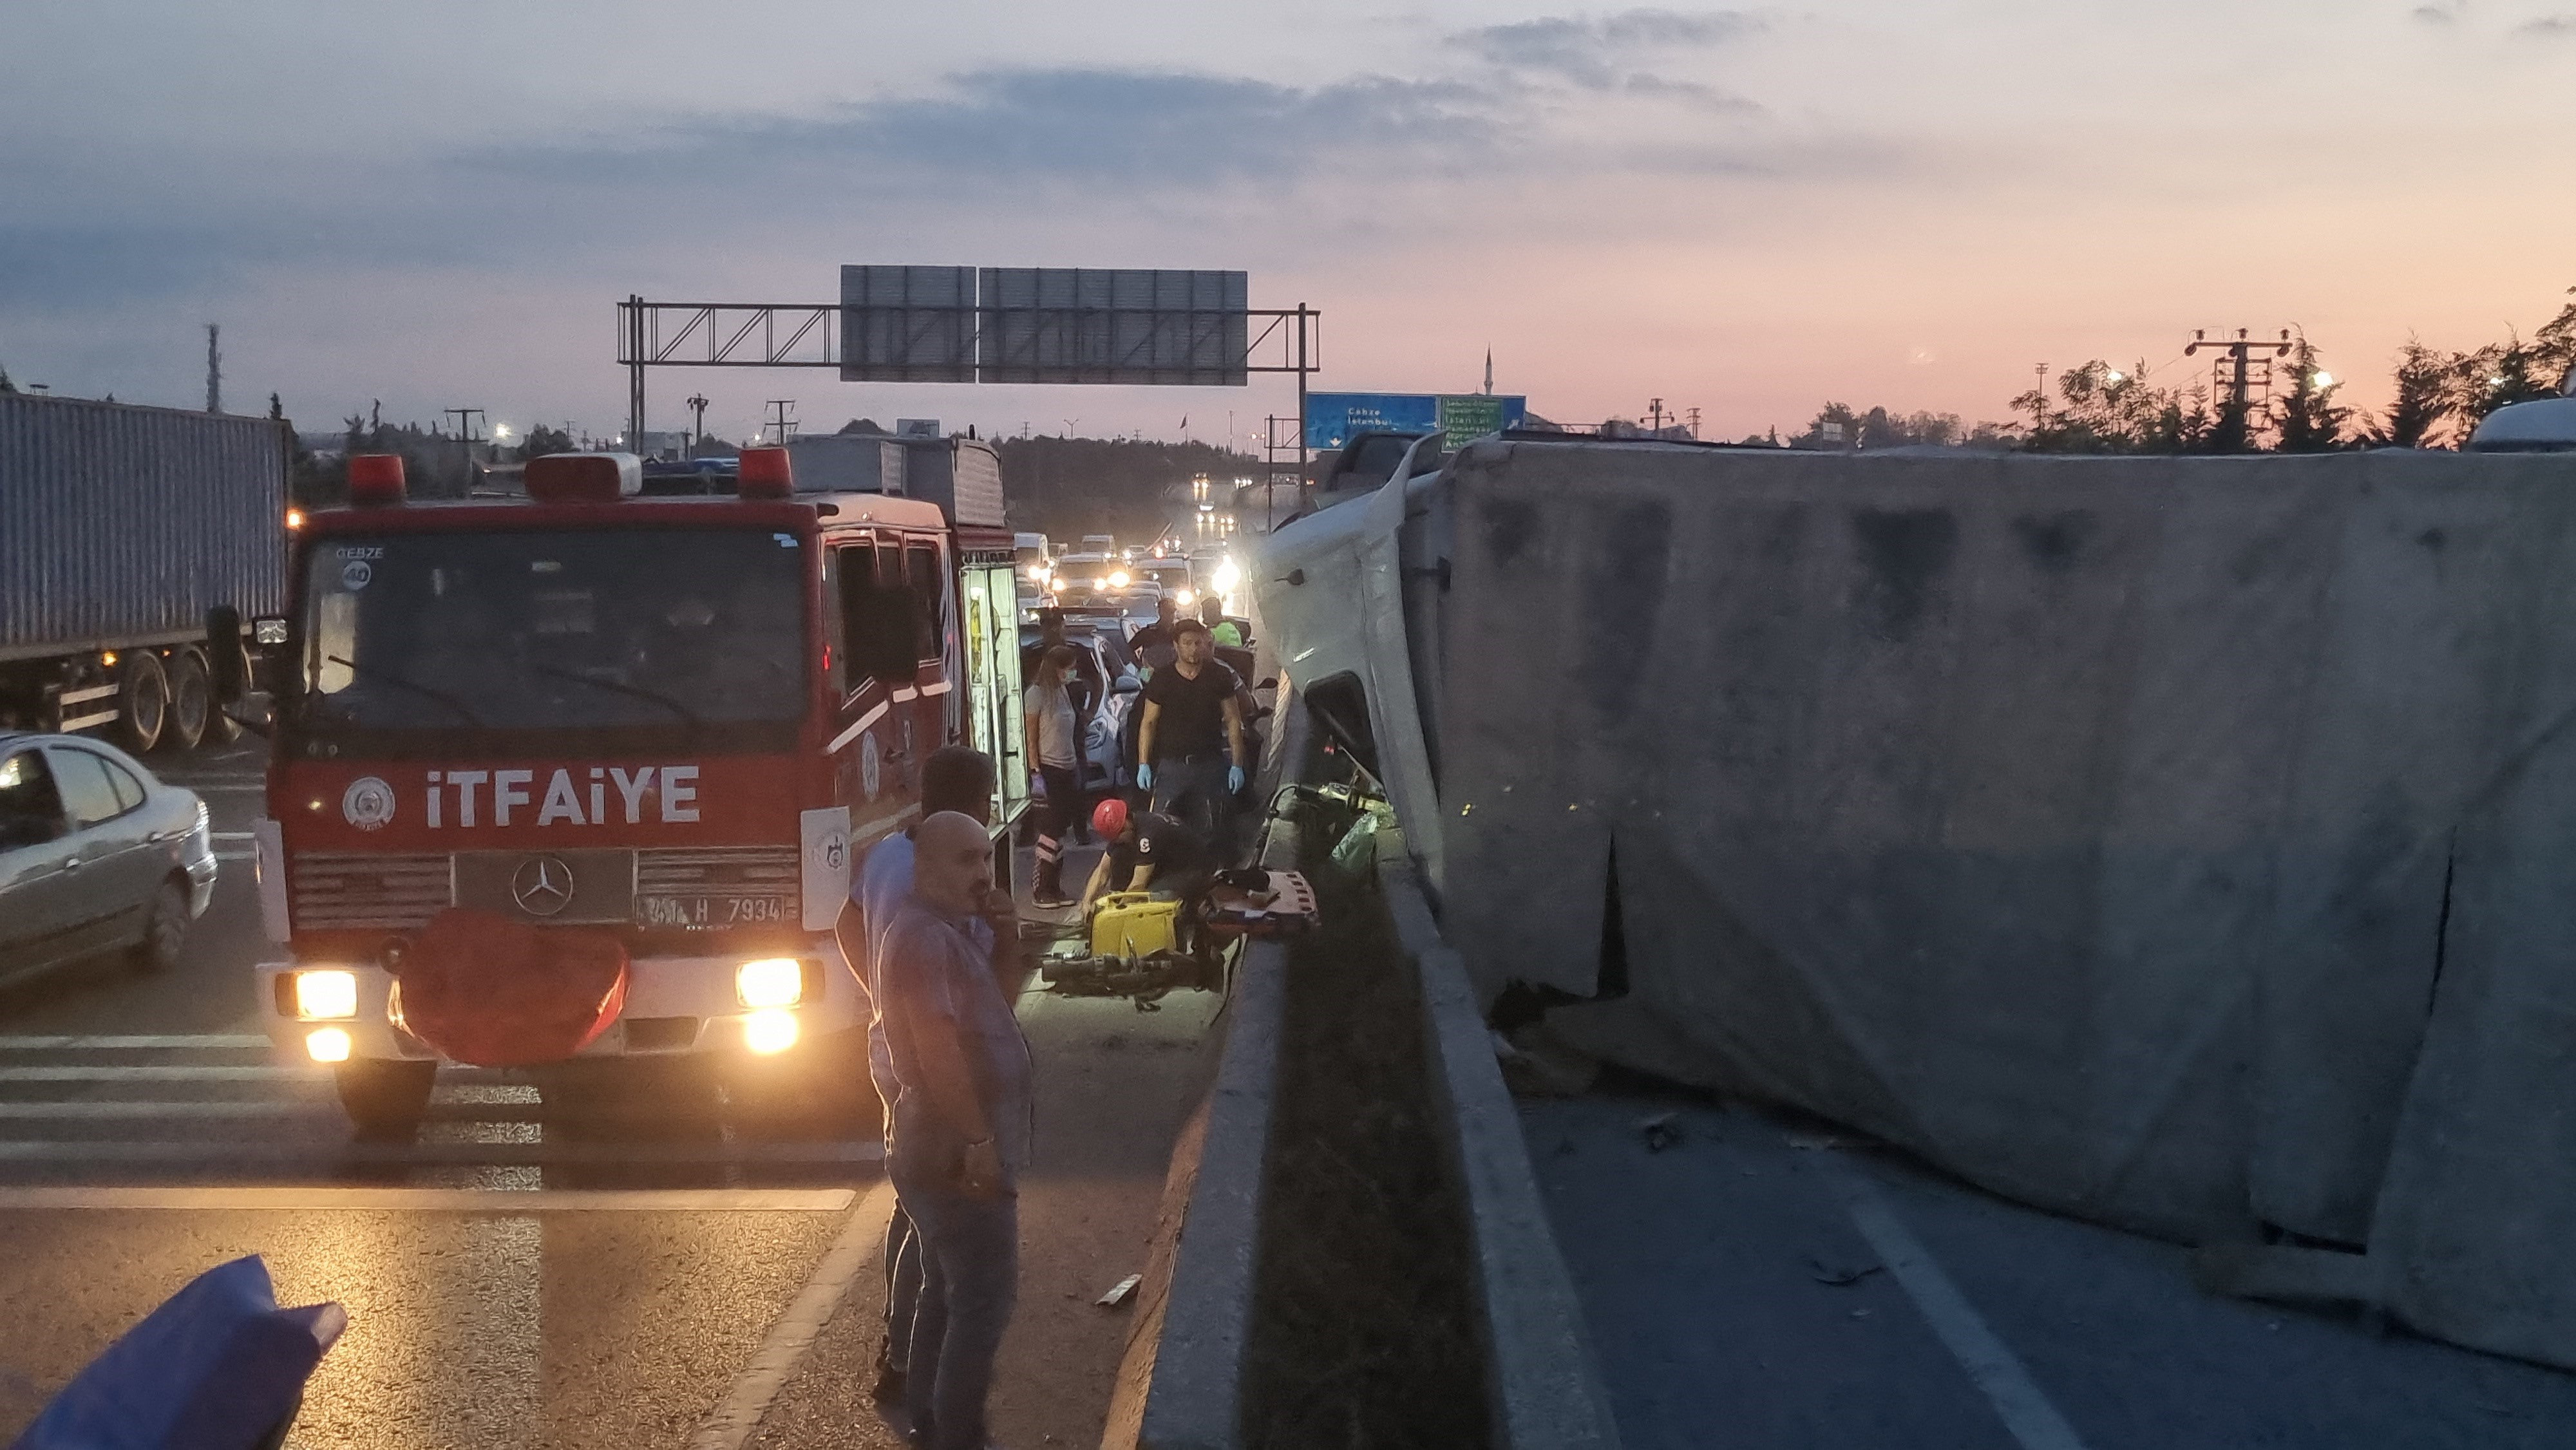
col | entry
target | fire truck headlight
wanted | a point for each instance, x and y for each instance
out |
(326, 994)
(327, 1044)
(770, 982)
(768, 1032)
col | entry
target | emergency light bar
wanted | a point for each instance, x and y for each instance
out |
(375, 479)
(585, 477)
(764, 473)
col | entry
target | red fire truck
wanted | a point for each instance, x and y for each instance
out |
(604, 725)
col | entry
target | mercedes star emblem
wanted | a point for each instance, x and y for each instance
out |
(542, 885)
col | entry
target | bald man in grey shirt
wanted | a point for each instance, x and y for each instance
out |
(962, 1126)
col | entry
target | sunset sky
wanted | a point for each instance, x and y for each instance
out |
(1746, 211)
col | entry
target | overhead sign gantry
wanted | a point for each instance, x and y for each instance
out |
(1073, 325)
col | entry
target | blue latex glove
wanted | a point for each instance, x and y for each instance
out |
(1144, 777)
(1234, 779)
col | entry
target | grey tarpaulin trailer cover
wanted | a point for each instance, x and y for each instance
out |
(2175, 842)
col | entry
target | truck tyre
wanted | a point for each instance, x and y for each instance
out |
(142, 701)
(385, 1097)
(192, 699)
(165, 929)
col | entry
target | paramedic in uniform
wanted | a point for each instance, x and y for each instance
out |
(1190, 747)
(1149, 852)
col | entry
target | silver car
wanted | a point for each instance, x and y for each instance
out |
(96, 856)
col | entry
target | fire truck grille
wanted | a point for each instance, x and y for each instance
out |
(332, 890)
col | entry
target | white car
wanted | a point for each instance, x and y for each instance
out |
(97, 857)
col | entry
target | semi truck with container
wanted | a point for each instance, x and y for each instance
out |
(134, 542)
(575, 783)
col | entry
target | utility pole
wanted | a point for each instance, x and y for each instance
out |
(697, 435)
(2039, 400)
(214, 369)
(1655, 415)
(782, 416)
(2238, 373)
(1694, 421)
(465, 427)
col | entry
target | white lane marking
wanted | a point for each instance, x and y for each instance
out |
(510, 1155)
(125, 1042)
(730, 1423)
(232, 835)
(437, 1200)
(120, 1110)
(940, 687)
(214, 788)
(904, 694)
(160, 1072)
(875, 713)
(1991, 1365)
(236, 855)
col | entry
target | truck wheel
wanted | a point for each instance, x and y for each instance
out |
(385, 1097)
(142, 701)
(192, 699)
(165, 929)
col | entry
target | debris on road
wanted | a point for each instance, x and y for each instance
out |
(1839, 1273)
(1662, 1131)
(1120, 1292)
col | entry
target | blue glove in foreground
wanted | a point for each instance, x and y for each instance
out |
(1144, 777)
(1234, 779)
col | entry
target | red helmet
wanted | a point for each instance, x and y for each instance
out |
(1109, 818)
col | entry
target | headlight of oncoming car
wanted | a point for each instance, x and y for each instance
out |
(322, 995)
(770, 982)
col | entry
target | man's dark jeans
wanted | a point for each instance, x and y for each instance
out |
(970, 1271)
(1192, 789)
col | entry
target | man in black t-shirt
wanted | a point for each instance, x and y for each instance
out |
(1190, 748)
(1157, 635)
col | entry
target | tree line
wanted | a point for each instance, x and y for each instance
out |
(2438, 399)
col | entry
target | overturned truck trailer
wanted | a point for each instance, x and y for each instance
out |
(2183, 843)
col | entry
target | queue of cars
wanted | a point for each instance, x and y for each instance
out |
(1106, 595)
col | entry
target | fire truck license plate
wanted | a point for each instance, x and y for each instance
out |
(710, 911)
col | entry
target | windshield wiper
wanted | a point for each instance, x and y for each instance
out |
(389, 677)
(689, 716)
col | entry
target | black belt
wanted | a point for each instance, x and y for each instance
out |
(1195, 756)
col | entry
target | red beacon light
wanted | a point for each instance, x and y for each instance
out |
(585, 477)
(764, 473)
(375, 479)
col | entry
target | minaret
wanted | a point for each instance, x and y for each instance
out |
(1489, 372)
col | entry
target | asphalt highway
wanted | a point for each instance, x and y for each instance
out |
(507, 1286)
(1757, 1281)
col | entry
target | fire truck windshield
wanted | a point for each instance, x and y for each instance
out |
(624, 630)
